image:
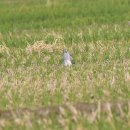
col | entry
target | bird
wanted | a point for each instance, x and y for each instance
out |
(67, 59)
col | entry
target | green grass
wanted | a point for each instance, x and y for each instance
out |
(61, 14)
(32, 37)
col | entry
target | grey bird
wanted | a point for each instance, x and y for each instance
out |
(67, 59)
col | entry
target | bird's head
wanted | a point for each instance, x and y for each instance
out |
(64, 50)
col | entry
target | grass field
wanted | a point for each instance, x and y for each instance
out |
(33, 34)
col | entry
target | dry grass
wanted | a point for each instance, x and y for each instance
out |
(92, 112)
(35, 70)
(39, 46)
